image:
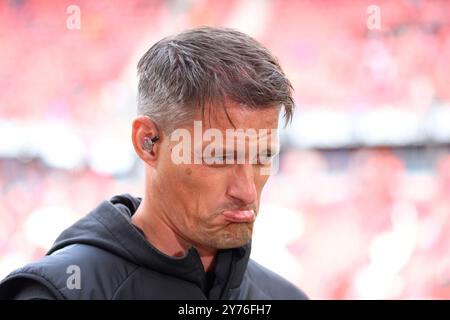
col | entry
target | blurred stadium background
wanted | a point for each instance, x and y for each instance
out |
(360, 207)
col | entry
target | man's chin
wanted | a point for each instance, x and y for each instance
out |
(234, 235)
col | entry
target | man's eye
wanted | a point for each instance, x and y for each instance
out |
(265, 155)
(218, 159)
(224, 158)
(265, 158)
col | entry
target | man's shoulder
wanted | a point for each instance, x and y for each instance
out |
(268, 284)
(74, 270)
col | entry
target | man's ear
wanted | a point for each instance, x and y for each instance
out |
(143, 129)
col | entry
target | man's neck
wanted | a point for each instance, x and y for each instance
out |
(163, 238)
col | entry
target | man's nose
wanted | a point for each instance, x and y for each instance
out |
(243, 186)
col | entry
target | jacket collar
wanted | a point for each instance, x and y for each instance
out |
(109, 226)
(229, 266)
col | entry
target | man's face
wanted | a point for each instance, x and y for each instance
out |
(211, 204)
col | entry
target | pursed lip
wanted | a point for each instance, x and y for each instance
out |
(239, 216)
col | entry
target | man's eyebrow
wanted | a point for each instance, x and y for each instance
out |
(222, 147)
(270, 151)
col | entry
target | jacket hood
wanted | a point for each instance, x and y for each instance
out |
(109, 227)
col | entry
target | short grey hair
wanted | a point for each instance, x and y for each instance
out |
(180, 74)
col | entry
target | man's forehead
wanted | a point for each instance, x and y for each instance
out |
(233, 115)
(250, 135)
(237, 139)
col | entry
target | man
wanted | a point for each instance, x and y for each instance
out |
(189, 236)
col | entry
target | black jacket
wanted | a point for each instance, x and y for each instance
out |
(113, 260)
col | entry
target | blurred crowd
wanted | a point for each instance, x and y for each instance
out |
(361, 221)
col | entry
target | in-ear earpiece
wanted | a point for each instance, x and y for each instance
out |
(149, 142)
